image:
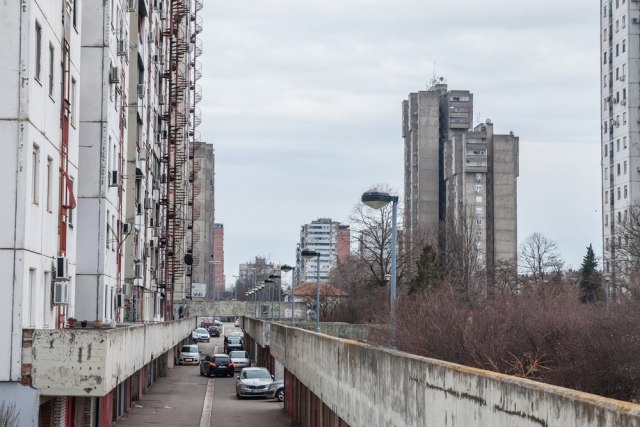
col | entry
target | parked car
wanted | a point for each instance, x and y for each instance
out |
(240, 359)
(235, 334)
(200, 334)
(216, 364)
(213, 331)
(189, 354)
(276, 390)
(253, 382)
(233, 344)
(217, 323)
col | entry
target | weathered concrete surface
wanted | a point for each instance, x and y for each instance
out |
(231, 308)
(368, 386)
(91, 362)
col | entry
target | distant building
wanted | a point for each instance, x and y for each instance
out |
(620, 122)
(466, 177)
(218, 256)
(331, 239)
(204, 219)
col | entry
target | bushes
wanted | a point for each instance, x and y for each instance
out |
(537, 334)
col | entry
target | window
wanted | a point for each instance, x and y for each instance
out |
(70, 211)
(625, 167)
(617, 53)
(479, 233)
(606, 173)
(30, 315)
(619, 193)
(51, 68)
(478, 188)
(108, 237)
(49, 183)
(618, 168)
(606, 244)
(625, 191)
(606, 219)
(619, 217)
(478, 199)
(605, 131)
(617, 25)
(72, 102)
(617, 73)
(606, 196)
(47, 297)
(605, 35)
(478, 221)
(38, 50)
(75, 13)
(624, 217)
(624, 45)
(479, 211)
(114, 233)
(618, 145)
(604, 14)
(624, 118)
(624, 142)
(606, 146)
(624, 93)
(624, 21)
(35, 175)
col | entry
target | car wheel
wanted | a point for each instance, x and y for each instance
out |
(280, 395)
(238, 396)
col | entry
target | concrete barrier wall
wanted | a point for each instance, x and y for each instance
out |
(91, 362)
(368, 386)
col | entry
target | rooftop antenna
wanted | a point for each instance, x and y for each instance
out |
(434, 79)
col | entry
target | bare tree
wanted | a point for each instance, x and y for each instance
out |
(539, 257)
(9, 415)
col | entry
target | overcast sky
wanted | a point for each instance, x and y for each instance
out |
(302, 101)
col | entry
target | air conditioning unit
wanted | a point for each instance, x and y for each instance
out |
(614, 100)
(148, 203)
(607, 98)
(114, 75)
(132, 5)
(151, 37)
(636, 20)
(60, 294)
(119, 300)
(122, 47)
(162, 99)
(114, 178)
(622, 77)
(62, 268)
(623, 102)
(137, 270)
(140, 90)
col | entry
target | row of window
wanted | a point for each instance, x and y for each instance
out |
(607, 146)
(51, 75)
(609, 9)
(618, 192)
(615, 122)
(38, 182)
(622, 217)
(620, 74)
(606, 170)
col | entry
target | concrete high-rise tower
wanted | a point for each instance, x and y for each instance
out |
(458, 175)
(620, 155)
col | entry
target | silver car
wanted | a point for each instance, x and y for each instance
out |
(189, 354)
(276, 390)
(240, 359)
(253, 382)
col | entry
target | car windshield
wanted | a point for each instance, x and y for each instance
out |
(189, 349)
(201, 331)
(256, 373)
(234, 340)
(239, 354)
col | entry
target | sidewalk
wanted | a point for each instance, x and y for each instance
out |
(174, 400)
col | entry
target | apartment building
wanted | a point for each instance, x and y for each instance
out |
(330, 238)
(99, 231)
(620, 122)
(205, 264)
(218, 256)
(459, 176)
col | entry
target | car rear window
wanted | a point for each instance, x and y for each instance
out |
(189, 349)
(238, 354)
(220, 359)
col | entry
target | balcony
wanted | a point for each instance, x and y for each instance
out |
(92, 362)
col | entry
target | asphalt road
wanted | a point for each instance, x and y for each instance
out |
(185, 398)
(228, 411)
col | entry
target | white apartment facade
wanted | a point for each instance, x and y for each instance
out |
(620, 158)
(87, 151)
(330, 239)
(39, 122)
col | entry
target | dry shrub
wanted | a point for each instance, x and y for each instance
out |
(539, 333)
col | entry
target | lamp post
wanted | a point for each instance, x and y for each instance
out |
(287, 268)
(276, 280)
(377, 200)
(259, 299)
(309, 254)
(270, 282)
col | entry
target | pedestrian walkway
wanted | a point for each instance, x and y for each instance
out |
(175, 400)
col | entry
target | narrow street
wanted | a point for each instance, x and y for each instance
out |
(180, 398)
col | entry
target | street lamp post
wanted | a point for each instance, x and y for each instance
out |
(276, 280)
(287, 268)
(309, 254)
(270, 282)
(377, 200)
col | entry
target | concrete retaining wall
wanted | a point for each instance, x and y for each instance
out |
(368, 386)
